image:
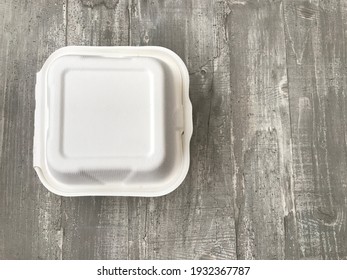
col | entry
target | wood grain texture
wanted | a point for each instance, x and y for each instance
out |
(268, 175)
(316, 61)
(261, 131)
(30, 216)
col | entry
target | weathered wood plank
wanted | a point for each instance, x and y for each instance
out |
(29, 214)
(196, 220)
(316, 56)
(96, 227)
(261, 131)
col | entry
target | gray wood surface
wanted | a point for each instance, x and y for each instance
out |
(268, 175)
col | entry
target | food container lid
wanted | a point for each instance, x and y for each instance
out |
(113, 121)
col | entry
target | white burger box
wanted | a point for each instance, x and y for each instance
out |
(112, 121)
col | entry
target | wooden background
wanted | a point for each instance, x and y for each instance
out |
(268, 175)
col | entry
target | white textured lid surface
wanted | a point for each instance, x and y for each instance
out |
(112, 121)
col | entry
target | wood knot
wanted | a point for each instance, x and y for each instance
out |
(145, 38)
(329, 217)
(283, 85)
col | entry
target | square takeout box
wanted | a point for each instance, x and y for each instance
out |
(112, 121)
